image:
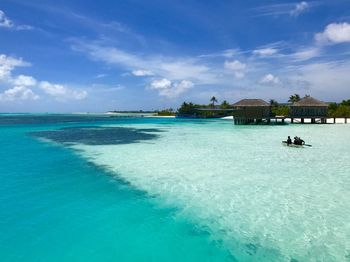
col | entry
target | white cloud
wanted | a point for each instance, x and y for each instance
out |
(24, 27)
(175, 69)
(171, 90)
(161, 84)
(270, 79)
(106, 88)
(279, 9)
(18, 93)
(142, 72)
(265, 51)
(62, 93)
(334, 33)
(4, 21)
(7, 64)
(228, 53)
(100, 75)
(184, 69)
(23, 80)
(300, 8)
(7, 23)
(297, 55)
(237, 67)
(305, 54)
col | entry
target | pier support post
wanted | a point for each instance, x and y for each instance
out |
(346, 120)
(292, 120)
(313, 121)
(334, 120)
(302, 120)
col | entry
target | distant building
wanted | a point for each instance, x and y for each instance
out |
(251, 111)
(308, 107)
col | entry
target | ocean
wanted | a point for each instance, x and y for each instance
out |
(102, 188)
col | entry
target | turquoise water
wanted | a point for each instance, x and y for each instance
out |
(82, 188)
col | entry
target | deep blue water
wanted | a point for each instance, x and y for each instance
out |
(56, 206)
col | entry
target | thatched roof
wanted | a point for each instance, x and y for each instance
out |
(310, 101)
(251, 102)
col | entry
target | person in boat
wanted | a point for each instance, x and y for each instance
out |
(295, 140)
(289, 141)
(298, 141)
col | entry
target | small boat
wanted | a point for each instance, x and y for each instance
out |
(294, 145)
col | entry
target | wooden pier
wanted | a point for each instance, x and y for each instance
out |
(257, 121)
(283, 120)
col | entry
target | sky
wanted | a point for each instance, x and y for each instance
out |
(95, 56)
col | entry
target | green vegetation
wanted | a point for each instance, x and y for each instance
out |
(345, 102)
(213, 101)
(294, 98)
(204, 111)
(339, 110)
(280, 110)
(277, 109)
(166, 112)
(273, 103)
(187, 109)
(225, 105)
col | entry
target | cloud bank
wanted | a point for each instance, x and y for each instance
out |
(24, 87)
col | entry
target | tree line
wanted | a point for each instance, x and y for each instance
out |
(339, 110)
(191, 109)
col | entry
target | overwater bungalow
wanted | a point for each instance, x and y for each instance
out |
(309, 107)
(248, 111)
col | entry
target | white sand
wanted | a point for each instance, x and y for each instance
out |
(227, 117)
(155, 116)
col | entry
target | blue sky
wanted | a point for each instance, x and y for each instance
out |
(95, 56)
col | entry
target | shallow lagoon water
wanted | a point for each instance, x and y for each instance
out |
(239, 194)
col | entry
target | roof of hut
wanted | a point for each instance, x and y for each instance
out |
(251, 102)
(309, 101)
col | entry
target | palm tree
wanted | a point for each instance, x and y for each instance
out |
(225, 105)
(273, 103)
(294, 98)
(213, 100)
